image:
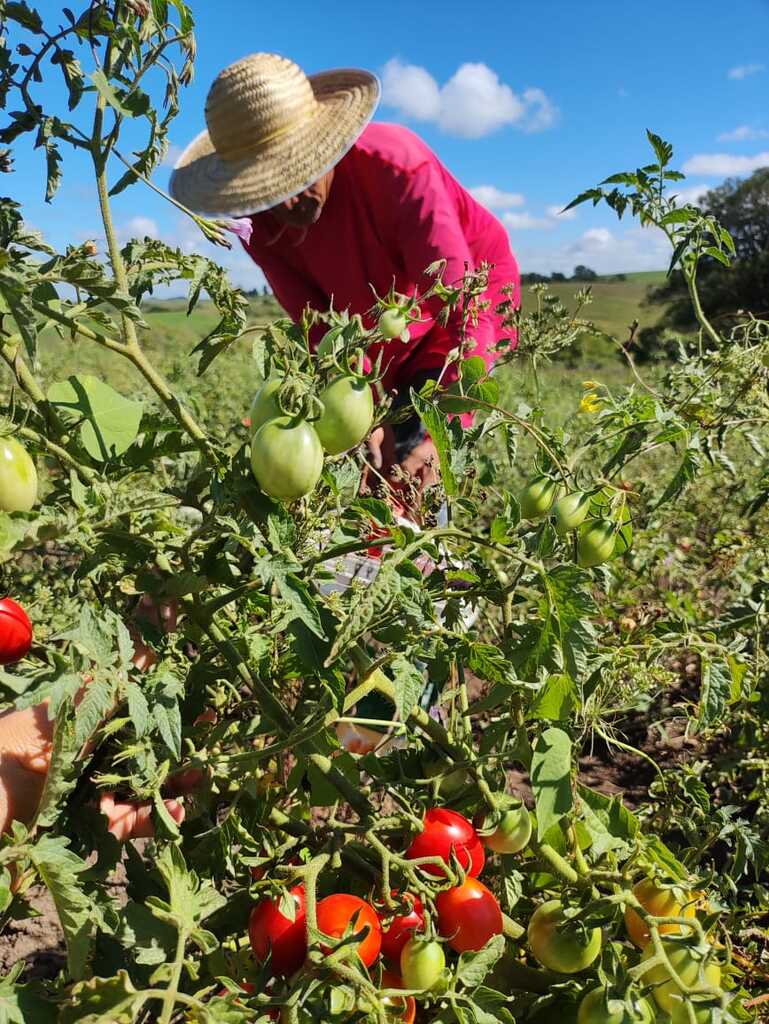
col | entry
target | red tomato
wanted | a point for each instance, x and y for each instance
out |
(468, 915)
(341, 912)
(401, 927)
(444, 831)
(15, 632)
(275, 935)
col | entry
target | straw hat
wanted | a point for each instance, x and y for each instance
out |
(272, 132)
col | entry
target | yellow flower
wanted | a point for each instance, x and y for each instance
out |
(590, 403)
(588, 385)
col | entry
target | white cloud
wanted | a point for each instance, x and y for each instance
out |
(744, 70)
(743, 133)
(725, 164)
(526, 222)
(602, 250)
(473, 103)
(692, 194)
(494, 198)
(140, 227)
(558, 213)
(411, 89)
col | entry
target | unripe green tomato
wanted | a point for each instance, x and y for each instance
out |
(348, 412)
(687, 967)
(512, 833)
(286, 458)
(679, 1014)
(592, 1010)
(570, 512)
(596, 541)
(558, 943)
(392, 324)
(265, 406)
(537, 497)
(422, 964)
(18, 477)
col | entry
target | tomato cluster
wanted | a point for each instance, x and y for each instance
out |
(466, 915)
(287, 452)
(598, 535)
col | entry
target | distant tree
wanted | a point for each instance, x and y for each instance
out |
(557, 276)
(583, 273)
(534, 278)
(743, 209)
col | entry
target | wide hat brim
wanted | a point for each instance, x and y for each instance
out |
(281, 167)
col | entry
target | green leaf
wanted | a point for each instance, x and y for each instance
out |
(103, 1001)
(408, 683)
(556, 700)
(715, 689)
(551, 778)
(138, 708)
(64, 769)
(109, 422)
(59, 868)
(610, 824)
(23, 15)
(24, 1004)
(473, 967)
(130, 104)
(435, 422)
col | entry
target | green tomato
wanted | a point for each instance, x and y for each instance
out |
(686, 965)
(348, 412)
(537, 497)
(18, 477)
(422, 964)
(286, 458)
(570, 512)
(593, 1010)
(596, 542)
(679, 1013)
(512, 833)
(392, 324)
(558, 943)
(265, 404)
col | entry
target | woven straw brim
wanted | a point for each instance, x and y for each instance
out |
(285, 166)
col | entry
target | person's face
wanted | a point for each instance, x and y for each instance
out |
(305, 209)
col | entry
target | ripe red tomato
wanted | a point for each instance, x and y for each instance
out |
(444, 831)
(341, 912)
(402, 1009)
(401, 927)
(15, 632)
(468, 915)
(273, 934)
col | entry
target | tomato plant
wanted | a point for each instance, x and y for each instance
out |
(278, 936)
(422, 964)
(400, 1008)
(348, 412)
(286, 458)
(15, 632)
(468, 915)
(444, 833)
(18, 477)
(342, 914)
(559, 943)
(335, 719)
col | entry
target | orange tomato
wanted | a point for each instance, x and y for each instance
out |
(660, 903)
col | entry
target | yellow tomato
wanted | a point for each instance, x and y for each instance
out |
(660, 903)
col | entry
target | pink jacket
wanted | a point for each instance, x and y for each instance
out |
(393, 210)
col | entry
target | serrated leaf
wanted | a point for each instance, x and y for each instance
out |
(556, 700)
(551, 778)
(59, 868)
(109, 422)
(103, 1001)
(64, 769)
(610, 824)
(138, 708)
(715, 689)
(435, 422)
(473, 967)
(408, 683)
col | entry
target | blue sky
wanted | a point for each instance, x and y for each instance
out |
(527, 104)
